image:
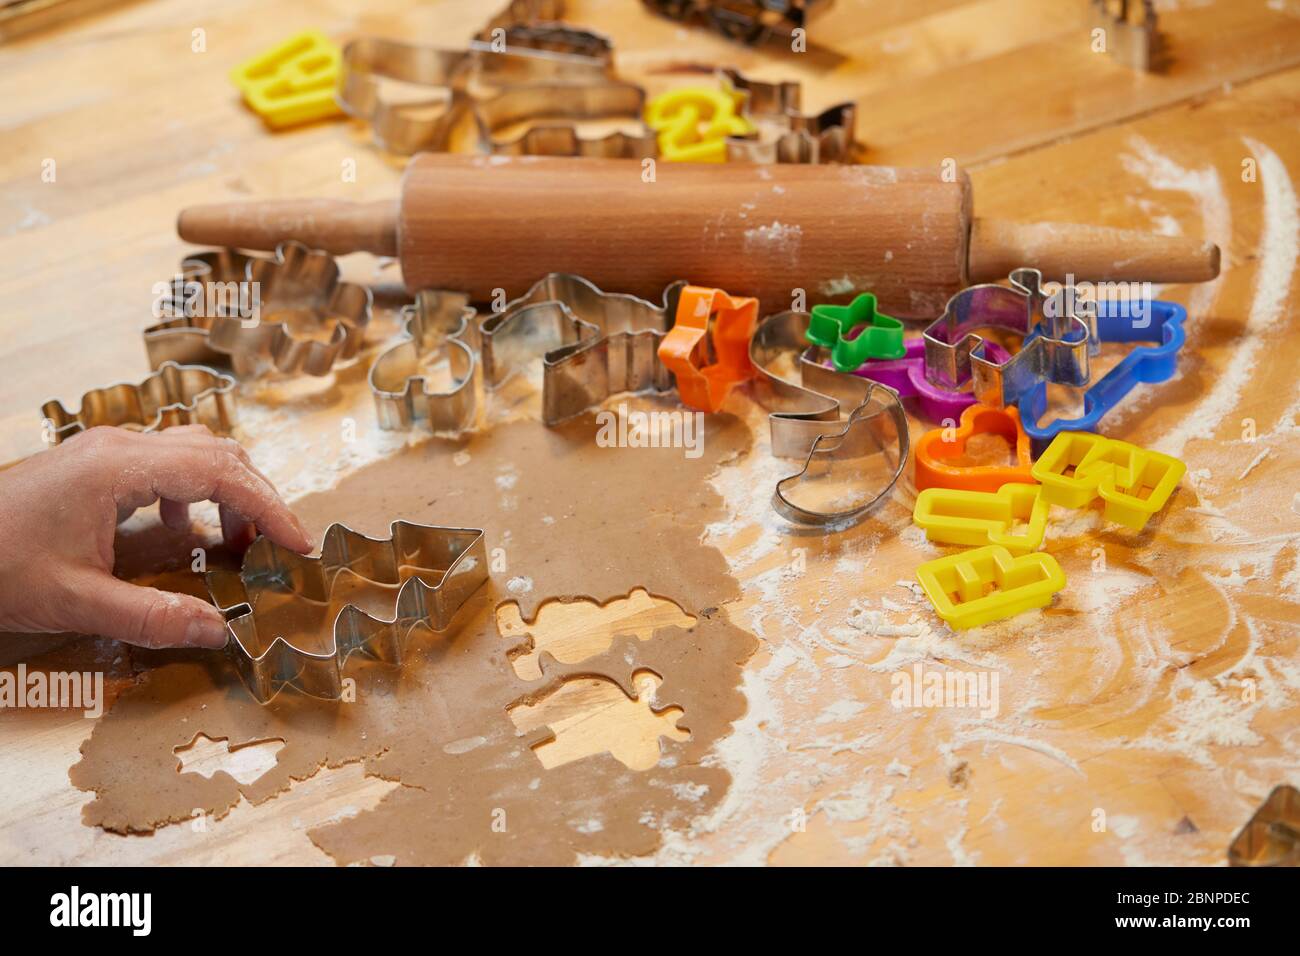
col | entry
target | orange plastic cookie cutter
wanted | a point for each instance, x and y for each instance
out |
(936, 448)
(1134, 483)
(707, 348)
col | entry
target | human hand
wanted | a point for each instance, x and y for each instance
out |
(59, 511)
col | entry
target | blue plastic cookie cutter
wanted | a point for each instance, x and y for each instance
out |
(1146, 363)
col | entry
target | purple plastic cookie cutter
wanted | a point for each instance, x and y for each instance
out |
(906, 376)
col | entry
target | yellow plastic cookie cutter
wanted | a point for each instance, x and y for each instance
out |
(976, 518)
(293, 82)
(1134, 483)
(693, 122)
(976, 587)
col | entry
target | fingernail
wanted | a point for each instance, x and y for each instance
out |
(207, 630)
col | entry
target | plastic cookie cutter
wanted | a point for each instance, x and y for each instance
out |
(827, 137)
(936, 449)
(906, 376)
(173, 395)
(856, 332)
(292, 82)
(593, 344)
(976, 587)
(825, 419)
(416, 97)
(1272, 835)
(1117, 321)
(540, 105)
(408, 379)
(290, 313)
(294, 620)
(694, 122)
(1055, 347)
(1134, 483)
(749, 21)
(707, 349)
(977, 518)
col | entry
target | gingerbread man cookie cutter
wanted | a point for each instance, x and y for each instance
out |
(1056, 342)
(279, 600)
(172, 395)
(824, 418)
(249, 312)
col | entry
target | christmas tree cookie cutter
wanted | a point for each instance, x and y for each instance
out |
(856, 332)
(1150, 364)
(280, 600)
(442, 325)
(1134, 483)
(249, 311)
(822, 419)
(172, 395)
(976, 587)
(707, 349)
(978, 518)
(593, 344)
(1056, 340)
(935, 448)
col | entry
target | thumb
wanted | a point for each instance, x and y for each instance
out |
(144, 616)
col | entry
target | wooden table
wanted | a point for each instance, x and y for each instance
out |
(1142, 720)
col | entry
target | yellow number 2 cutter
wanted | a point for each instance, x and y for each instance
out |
(987, 584)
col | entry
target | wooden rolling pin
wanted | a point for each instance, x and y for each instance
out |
(478, 223)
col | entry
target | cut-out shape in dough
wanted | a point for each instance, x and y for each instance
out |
(591, 715)
(573, 631)
(206, 755)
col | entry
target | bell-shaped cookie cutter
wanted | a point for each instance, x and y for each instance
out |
(824, 418)
(244, 310)
(593, 343)
(438, 323)
(426, 572)
(1055, 348)
(172, 395)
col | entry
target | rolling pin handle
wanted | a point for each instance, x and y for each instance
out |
(333, 225)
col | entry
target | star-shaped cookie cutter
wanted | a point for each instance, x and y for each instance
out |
(280, 599)
(272, 298)
(826, 137)
(1056, 341)
(172, 395)
(878, 336)
(593, 344)
(824, 418)
(439, 323)
(707, 349)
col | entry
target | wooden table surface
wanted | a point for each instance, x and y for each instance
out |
(1142, 719)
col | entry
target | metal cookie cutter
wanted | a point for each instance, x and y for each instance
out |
(362, 594)
(593, 344)
(275, 299)
(539, 105)
(448, 83)
(1129, 30)
(1055, 348)
(977, 587)
(707, 349)
(439, 324)
(1272, 835)
(1134, 483)
(749, 21)
(826, 418)
(173, 395)
(906, 376)
(1146, 363)
(827, 137)
(936, 448)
